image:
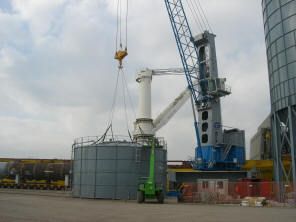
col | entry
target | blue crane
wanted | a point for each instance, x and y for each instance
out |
(224, 150)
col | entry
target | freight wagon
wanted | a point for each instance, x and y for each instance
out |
(50, 174)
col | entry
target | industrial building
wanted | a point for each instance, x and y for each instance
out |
(260, 148)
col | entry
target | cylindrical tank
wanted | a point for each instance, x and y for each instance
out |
(280, 36)
(110, 170)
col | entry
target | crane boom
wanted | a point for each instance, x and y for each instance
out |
(187, 49)
(188, 53)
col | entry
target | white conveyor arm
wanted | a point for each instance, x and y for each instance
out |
(164, 117)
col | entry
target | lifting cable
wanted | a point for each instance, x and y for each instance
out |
(125, 93)
(126, 16)
(117, 21)
(121, 52)
(110, 121)
(129, 95)
(124, 102)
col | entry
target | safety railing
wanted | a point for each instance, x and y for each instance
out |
(223, 192)
(92, 140)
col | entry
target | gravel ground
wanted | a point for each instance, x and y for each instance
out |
(34, 205)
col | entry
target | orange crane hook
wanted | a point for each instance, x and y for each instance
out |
(119, 55)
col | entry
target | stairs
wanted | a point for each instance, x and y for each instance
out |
(226, 151)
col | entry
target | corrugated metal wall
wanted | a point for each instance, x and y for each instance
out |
(280, 34)
(111, 170)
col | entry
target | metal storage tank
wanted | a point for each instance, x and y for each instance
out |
(280, 35)
(280, 30)
(110, 170)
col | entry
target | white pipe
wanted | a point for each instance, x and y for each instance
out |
(143, 125)
(144, 79)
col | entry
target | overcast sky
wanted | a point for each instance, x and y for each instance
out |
(57, 72)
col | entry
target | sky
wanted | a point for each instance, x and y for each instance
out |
(58, 75)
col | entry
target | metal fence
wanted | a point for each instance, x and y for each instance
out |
(224, 192)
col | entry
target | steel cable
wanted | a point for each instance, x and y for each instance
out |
(120, 11)
(124, 102)
(198, 15)
(114, 100)
(210, 28)
(117, 23)
(195, 19)
(126, 23)
(128, 93)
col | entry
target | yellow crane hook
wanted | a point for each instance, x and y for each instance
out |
(119, 55)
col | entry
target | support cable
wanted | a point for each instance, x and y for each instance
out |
(210, 28)
(129, 95)
(199, 14)
(198, 24)
(111, 128)
(124, 86)
(124, 102)
(114, 100)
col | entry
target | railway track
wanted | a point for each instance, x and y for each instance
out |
(50, 193)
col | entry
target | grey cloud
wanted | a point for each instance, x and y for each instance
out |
(62, 84)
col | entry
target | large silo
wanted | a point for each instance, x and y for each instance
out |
(280, 35)
(110, 170)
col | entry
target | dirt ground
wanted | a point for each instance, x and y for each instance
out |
(23, 205)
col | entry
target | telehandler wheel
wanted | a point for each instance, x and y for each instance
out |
(180, 198)
(160, 197)
(140, 197)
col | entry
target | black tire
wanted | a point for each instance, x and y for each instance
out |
(140, 197)
(180, 198)
(160, 197)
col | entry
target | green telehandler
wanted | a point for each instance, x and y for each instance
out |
(147, 188)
